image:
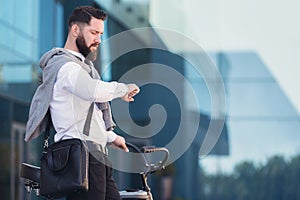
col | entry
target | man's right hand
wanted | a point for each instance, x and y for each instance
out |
(120, 143)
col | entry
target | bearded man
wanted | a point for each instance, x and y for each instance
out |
(70, 86)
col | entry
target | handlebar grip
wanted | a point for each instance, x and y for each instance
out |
(151, 149)
(148, 149)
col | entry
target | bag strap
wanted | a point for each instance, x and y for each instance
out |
(86, 129)
(87, 124)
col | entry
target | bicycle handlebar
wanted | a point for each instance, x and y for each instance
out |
(135, 148)
(151, 149)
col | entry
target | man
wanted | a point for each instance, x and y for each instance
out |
(70, 85)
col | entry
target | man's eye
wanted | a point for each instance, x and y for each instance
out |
(94, 32)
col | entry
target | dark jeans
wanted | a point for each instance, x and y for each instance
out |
(101, 183)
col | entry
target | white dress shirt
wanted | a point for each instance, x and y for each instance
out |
(73, 93)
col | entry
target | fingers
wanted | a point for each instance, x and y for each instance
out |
(133, 93)
(125, 148)
(120, 143)
(133, 90)
(127, 98)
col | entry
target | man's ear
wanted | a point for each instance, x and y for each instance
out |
(75, 30)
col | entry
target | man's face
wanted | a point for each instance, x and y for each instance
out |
(89, 39)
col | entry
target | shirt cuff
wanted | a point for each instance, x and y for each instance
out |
(121, 90)
(111, 136)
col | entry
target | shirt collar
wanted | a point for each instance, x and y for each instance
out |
(77, 54)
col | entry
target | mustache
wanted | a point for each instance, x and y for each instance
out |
(94, 45)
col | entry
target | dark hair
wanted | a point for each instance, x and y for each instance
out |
(84, 14)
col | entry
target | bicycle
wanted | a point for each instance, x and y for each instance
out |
(144, 193)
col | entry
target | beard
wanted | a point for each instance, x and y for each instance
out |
(85, 50)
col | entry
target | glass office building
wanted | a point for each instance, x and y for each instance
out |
(27, 29)
(260, 120)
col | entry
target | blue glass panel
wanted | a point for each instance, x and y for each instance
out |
(201, 76)
(258, 99)
(59, 25)
(7, 43)
(17, 73)
(47, 35)
(24, 13)
(7, 11)
(242, 65)
(9, 56)
(23, 46)
(203, 97)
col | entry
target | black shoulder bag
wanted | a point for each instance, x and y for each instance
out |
(64, 164)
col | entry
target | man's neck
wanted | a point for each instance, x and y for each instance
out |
(71, 45)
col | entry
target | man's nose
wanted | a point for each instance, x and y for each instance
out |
(97, 40)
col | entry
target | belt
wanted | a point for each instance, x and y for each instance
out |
(93, 146)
